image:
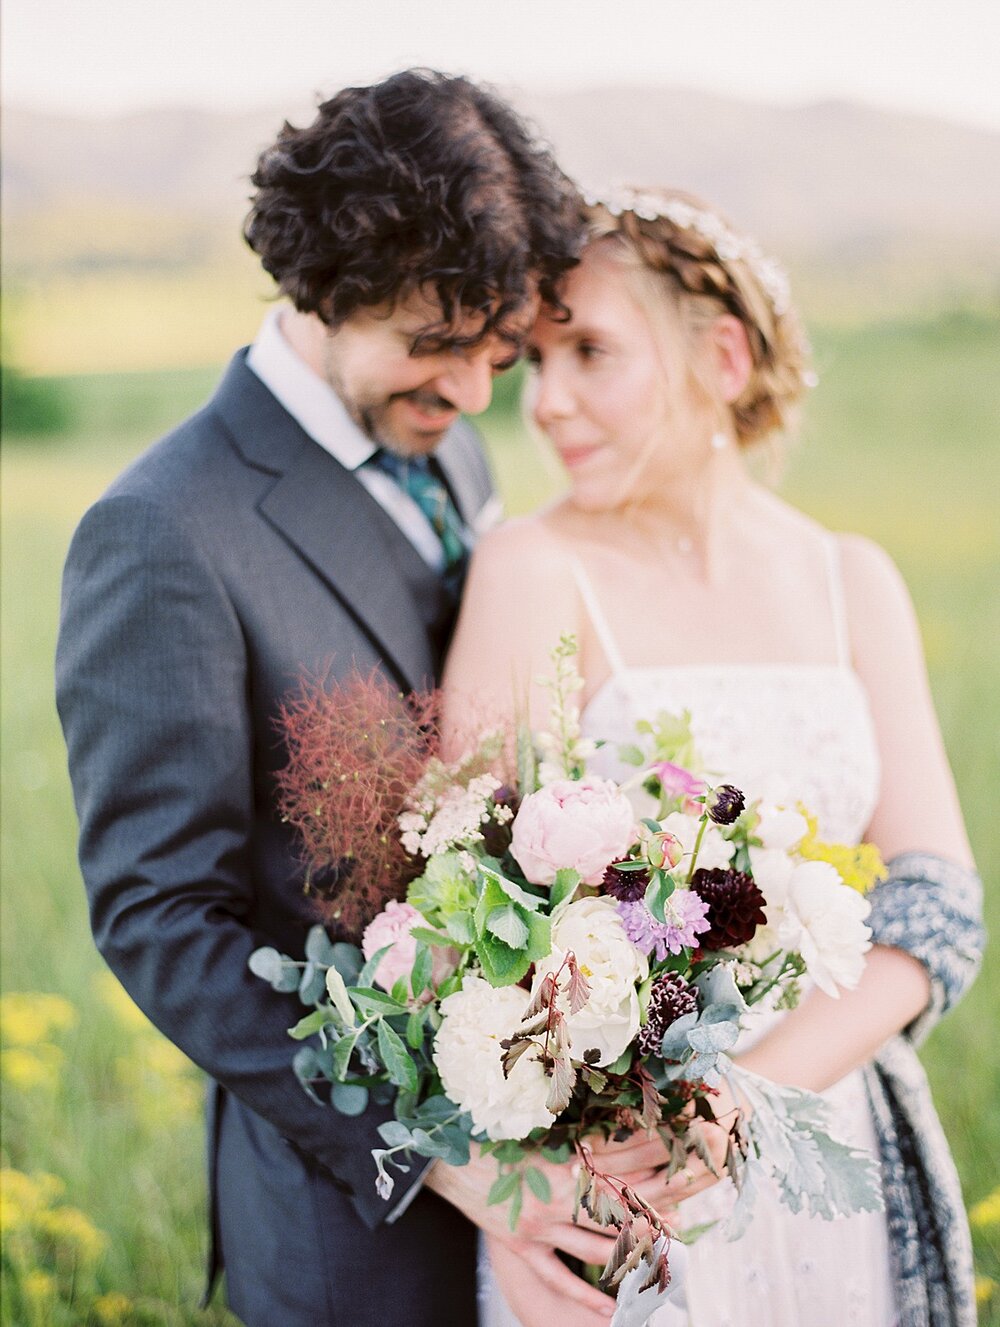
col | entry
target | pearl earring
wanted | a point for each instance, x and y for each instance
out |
(719, 441)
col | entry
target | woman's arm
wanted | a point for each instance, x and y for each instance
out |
(917, 811)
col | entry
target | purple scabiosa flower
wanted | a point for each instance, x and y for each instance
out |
(625, 886)
(671, 998)
(686, 914)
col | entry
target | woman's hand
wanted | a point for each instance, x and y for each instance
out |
(541, 1290)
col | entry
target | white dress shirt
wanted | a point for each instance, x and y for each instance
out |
(314, 405)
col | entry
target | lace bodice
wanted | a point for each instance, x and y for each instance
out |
(786, 732)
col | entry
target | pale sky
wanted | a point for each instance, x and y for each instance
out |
(98, 56)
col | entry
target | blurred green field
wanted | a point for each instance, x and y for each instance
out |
(900, 443)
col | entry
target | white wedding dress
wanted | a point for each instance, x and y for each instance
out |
(788, 733)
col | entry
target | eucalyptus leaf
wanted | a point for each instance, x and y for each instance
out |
(430, 1145)
(395, 1134)
(312, 984)
(305, 1065)
(348, 960)
(319, 948)
(349, 1098)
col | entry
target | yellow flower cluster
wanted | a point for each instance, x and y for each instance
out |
(48, 1245)
(985, 1215)
(859, 865)
(28, 1019)
(29, 1213)
(159, 1078)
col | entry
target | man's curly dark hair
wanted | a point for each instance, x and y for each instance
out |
(422, 182)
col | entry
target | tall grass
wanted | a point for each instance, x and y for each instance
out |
(900, 444)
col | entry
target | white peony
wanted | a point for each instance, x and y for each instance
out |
(824, 920)
(468, 1053)
(613, 967)
(714, 851)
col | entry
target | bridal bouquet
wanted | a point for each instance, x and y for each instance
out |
(573, 959)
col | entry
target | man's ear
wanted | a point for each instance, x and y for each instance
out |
(729, 357)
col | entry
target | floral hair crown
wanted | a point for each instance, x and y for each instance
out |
(727, 243)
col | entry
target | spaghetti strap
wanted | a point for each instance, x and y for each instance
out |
(597, 618)
(838, 605)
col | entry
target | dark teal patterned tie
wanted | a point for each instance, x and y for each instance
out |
(414, 476)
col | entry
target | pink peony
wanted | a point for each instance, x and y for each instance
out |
(676, 781)
(392, 927)
(583, 824)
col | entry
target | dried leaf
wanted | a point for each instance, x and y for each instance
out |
(651, 1099)
(699, 1145)
(516, 1047)
(578, 988)
(563, 1079)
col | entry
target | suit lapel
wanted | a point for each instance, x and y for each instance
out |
(331, 520)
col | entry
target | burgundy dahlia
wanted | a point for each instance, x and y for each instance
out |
(671, 998)
(735, 907)
(724, 804)
(625, 886)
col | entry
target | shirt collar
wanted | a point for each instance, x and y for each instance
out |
(307, 397)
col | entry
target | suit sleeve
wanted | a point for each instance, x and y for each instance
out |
(152, 690)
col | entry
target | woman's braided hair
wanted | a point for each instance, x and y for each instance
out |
(709, 269)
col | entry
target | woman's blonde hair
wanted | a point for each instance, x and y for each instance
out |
(678, 247)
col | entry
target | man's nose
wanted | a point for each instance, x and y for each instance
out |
(468, 383)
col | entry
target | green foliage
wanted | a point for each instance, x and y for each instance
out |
(32, 407)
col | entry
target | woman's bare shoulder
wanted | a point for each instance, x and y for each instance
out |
(525, 544)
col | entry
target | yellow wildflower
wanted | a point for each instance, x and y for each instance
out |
(38, 1286)
(163, 1057)
(69, 1226)
(859, 865)
(112, 1308)
(27, 1017)
(38, 1067)
(30, 1191)
(985, 1286)
(121, 1004)
(986, 1213)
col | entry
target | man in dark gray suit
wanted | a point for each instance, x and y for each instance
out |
(319, 508)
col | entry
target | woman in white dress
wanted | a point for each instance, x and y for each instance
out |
(689, 585)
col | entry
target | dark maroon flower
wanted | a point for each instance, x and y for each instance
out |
(671, 998)
(735, 907)
(625, 886)
(724, 804)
